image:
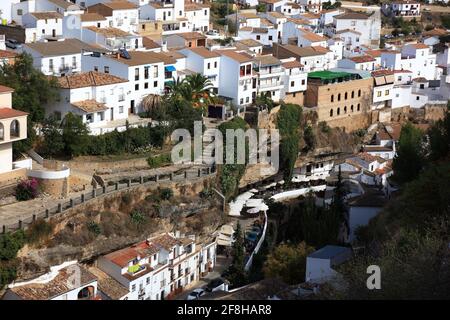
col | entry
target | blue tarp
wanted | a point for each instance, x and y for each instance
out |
(170, 68)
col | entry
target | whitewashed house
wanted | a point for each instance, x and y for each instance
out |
(42, 25)
(383, 89)
(270, 76)
(205, 62)
(364, 62)
(58, 284)
(144, 71)
(362, 209)
(123, 15)
(417, 58)
(57, 57)
(356, 29)
(159, 267)
(367, 169)
(236, 78)
(100, 99)
(295, 79)
(321, 263)
(402, 8)
(13, 127)
(108, 38)
(6, 7)
(20, 9)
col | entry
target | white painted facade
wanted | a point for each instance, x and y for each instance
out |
(236, 81)
(165, 272)
(144, 79)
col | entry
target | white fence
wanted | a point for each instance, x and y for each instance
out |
(258, 246)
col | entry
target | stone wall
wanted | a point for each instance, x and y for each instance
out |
(114, 201)
(12, 177)
(434, 113)
(351, 123)
(56, 187)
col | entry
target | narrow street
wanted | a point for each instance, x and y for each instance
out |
(222, 263)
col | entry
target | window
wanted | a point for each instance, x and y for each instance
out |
(332, 98)
(359, 93)
(2, 132)
(331, 112)
(146, 85)
(206, 12)
(292, 83)
(209, 65)
(43, 31)
(155, 84)
(136, 87)
(74, 62)
(215, 64)
(303, 82)
(180, 13)
(353, 23)
(339, 97)
(146, 72)
(351, 108)
(106, 69)
(50, 64)
(417, 98)
(241, 101)
(358, 107)
(19, 12)
(338, 111)
(190, 44)
(258, 37)
(120, 109)
(378, 93)
(270, 38)
(136, 74)
(353, 94)
(147, 281)
(386, 93)
(155, 71)
(247, 100)
(248, 69)
(95, 68)
(14, 131)
(133, 288)
(345, 96)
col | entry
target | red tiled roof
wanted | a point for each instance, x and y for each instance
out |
(362, 59)
(7, 113)
(4, 89)
(7, 54)
(292, 64)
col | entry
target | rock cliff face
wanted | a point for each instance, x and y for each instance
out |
(115, 221)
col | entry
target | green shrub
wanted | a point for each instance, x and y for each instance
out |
(94, 228)
(324, 127)
(137, 217)
(166, 193)
(206, 193)
(38, 231)
(10, 244)
(127, 198)
(159, 160)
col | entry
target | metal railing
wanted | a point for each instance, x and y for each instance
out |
(63, 206)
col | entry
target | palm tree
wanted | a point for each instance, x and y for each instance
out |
(199, 89)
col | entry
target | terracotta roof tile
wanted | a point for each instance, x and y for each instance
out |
(362, 59)
(88, 79)
(7, 113)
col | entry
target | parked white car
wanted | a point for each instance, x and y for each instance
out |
(195, 294)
